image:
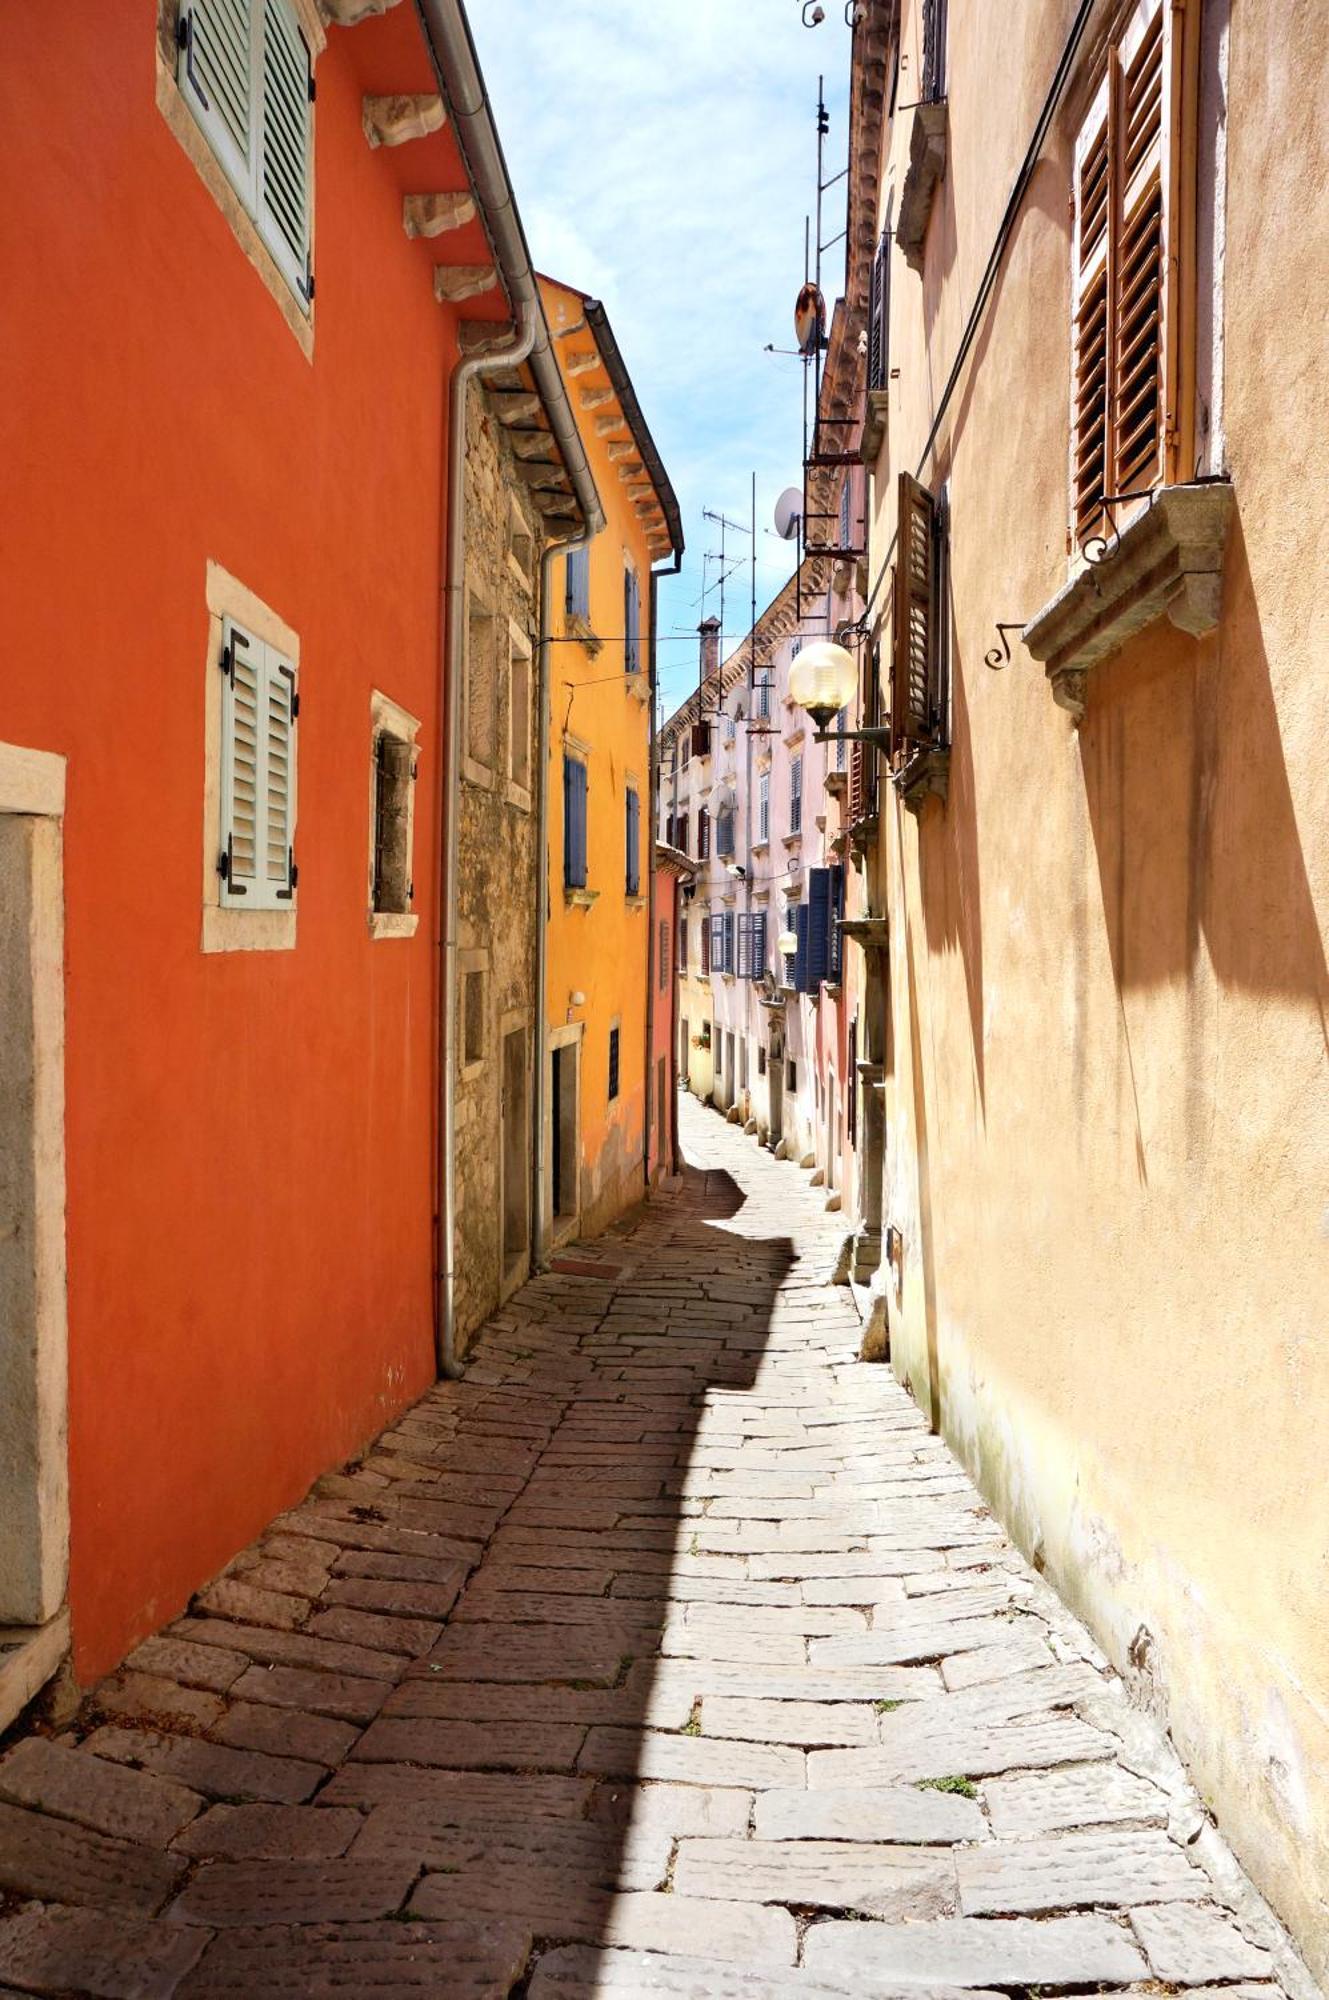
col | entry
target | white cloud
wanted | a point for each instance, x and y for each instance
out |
(663, 156)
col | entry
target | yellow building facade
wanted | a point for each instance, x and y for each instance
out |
(603, 953)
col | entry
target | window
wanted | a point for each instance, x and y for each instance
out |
(919, 694)
(706, 945)
(519, 709)
(757, 957)
(632, 877)
(473, 1018)
(790, 958)
(841, 724)
(245, 72)
(844, 513)
(764, 807)
(631, 622)
(744, 960)
(664, 956)
(682, 943)
(577, 584)
(717, 963)
(394, 777)
(728, 726)
(796, 795)
(574, 823)
(761, 696)
(480, 689)
(687, 748)
(761, 1059)
(727, 936)
(703, 834)
(613, 1064)
(879, 312)
(934, 50)
(724, 832)
(1127, 253)
(791, 1074)
(256, 855)
(719, 1055)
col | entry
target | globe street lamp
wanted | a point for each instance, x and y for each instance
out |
(823, 680)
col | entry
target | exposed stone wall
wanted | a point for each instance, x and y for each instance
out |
(496, 861)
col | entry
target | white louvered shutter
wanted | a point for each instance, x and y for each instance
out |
(279, 717)
(258, 774)
(244, 667)
(285, 143)
(218, 40)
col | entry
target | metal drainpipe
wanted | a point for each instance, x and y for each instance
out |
(542, 894)
(450, 663)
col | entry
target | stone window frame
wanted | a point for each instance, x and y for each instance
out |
(469, 964)
(521, 536)
(225, 927)
(477, 773)
(520, 647)
(387, 718)
(34, 1538)
(194, 143)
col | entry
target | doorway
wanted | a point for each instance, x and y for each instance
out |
(832, 1136)
(563, 1131)
(34, 1503)
(664, 1144)
(775, 1080)
(516, 1145)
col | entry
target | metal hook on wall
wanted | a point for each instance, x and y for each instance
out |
(998, 657)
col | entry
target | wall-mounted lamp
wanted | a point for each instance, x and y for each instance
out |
(737, 868)
(787, 943)
(576, 999)
(823, 680)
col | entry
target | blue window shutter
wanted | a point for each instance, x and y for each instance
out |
(574, 824)
(717, 944)
(744, 942)
(758, 945)
(634, 844)
(801, 954)
(819, 926)
(727, 923)
(834, 943)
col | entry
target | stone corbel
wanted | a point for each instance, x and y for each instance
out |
(876, 405)
(595, 399)
(455, 282)
(535, 444)
(435, 214)
(874, 934)
(350, 13)
(1167, 562)
(623, 449)
(518, 406)
(606, 426)
(927, 164)
(582, 362)
(391, 121)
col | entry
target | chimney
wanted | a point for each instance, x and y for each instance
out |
(710, 647)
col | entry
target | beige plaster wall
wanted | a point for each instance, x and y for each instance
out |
(1108, 1099)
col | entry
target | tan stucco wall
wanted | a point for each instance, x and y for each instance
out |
(1108, 1106)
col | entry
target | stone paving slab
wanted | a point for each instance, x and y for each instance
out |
(390, 1961)
(61, 1950)
(632, 1663)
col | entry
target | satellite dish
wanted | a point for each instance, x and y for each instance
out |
(788, 513)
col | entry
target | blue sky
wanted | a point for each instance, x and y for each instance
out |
(663, 155)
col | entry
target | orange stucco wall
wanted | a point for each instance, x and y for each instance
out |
(602, 952)
(249, 1134)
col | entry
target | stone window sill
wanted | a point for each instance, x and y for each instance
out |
(761, 846)
(577, 627)
(639, 687)
(927, 164)
(837, 783)
(581, 899)
(393, 923)
(1167, 562)
(794, 738)
(634, 902)
(874, 426)
(926, 772)
(792, 839)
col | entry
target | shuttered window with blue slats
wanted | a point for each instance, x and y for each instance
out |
(574, 823)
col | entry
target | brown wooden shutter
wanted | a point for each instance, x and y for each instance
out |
(1130, 269)
(915, 616)
(1091, 322)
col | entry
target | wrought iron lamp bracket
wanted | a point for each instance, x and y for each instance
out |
(998, 657)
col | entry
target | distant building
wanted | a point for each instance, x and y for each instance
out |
(603, 937)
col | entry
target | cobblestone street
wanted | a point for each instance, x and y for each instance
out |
(667, 1653)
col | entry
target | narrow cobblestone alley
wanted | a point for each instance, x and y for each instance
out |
(668, 1654)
